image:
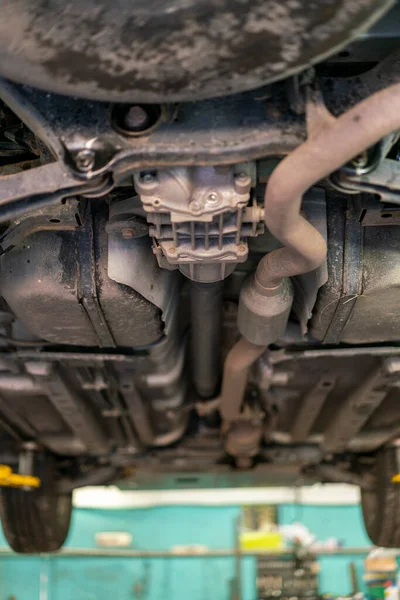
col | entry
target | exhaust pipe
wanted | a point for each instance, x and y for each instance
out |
(332, 143)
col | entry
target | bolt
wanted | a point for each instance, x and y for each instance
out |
(172, 250)
(127, 233)
(84, 160)
(360, 161)
(136, 119)
(242, 248)
(195, 206)
(213, 198)
(147, 178)
(242, 183)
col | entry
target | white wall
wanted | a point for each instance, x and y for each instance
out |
(112, 497)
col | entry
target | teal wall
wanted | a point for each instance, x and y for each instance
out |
(70, 578)
(340, 522)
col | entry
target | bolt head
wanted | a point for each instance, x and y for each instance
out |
(148, 178)
(136, 119)
(195, 206)
(85, 159)
(242, 183)
(213, 198)
(127, 233)
(360, 161)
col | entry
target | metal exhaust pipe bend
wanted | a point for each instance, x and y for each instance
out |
(236, 367)
(328, 148)
(332, 143)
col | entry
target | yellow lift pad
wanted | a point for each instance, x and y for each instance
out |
(10, 479)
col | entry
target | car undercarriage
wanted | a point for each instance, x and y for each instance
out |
(199, 249)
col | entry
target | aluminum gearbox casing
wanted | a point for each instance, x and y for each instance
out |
(200, 217)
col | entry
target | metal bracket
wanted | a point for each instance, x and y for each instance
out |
(384, 181)
(310, 408)
(352, 281)
(243, 128)
(42, 186)
(131, 257)
(355, 411)
(64, 217)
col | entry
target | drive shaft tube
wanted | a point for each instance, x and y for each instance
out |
(206, 319)
(332, 143)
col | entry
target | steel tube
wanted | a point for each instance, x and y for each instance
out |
(19, 383)
(331, 146)
(100, 476)
(236, 370)
(206, 318)
(127, 553)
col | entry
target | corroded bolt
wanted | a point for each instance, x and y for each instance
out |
(360, 161)
(84, 160)
(212, 197)
(127, 233)
(195, 206)
(147, 183)
(136, 118)
(148, 178)
(242, 183)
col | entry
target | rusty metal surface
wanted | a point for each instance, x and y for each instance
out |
(360, 386)
(310, 407)
(304, 247)
(236, 370)
(244, 126)
(76, 412)
(41, 187)
(268, 128)
(350, 417)
(375, 314)
(151, 51)
(341, 93)
(351, 279)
